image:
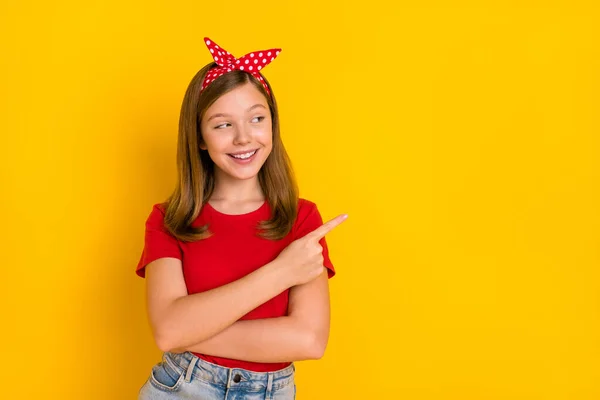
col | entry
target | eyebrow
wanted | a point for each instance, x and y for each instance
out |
(227, 115)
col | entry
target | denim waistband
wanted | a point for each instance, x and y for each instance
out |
(197, 368)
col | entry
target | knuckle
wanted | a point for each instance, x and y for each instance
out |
(308, 238)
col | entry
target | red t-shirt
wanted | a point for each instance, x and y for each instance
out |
(231, 253)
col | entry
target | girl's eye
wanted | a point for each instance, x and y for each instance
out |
(254, 120)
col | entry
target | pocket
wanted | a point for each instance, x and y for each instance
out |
(166, 378)
(285, 389)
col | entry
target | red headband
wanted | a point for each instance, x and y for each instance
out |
(251, 63)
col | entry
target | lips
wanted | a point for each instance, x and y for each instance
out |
(244, 161)
(242, 152)
(248, 154)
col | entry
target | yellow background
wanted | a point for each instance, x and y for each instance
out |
(461, 139)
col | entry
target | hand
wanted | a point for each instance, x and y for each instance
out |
(302, 260)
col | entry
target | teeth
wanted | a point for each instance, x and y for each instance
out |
(243, 156)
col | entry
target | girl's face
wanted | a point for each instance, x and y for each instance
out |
(238, 123)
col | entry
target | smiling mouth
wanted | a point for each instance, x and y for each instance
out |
(244, 156)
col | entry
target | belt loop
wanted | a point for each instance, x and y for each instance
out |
(229, 372)
(190, 368)
(270, 382)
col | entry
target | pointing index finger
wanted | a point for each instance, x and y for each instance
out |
(328, 226)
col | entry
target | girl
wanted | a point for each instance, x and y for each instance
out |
(236, 264)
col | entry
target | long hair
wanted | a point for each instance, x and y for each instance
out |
(195, 168)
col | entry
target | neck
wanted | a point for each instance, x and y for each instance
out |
(237, 190)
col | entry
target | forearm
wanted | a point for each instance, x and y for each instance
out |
(279, 339)
(197, 317)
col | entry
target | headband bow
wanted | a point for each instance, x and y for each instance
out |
(251, 63)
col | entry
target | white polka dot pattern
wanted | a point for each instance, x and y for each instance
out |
(227, 63)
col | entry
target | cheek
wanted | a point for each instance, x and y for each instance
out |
(265, 135)
(214, 142)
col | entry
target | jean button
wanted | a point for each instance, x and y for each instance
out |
(237, 378)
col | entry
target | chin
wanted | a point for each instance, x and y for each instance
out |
(239, 174)
(243, 173)
(244, 177)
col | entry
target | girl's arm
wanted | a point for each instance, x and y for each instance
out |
(301, 335)
(170, 307)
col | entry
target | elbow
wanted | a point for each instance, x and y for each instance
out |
(163, 342)
(316, 346)
(164, 346)
(164, 339)
(169, 346)
(173, 340)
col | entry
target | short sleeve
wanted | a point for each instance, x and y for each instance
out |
(309, 219)
(158, 242)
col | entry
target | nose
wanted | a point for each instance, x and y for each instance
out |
(242, 134)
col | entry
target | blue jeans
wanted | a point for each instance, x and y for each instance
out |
(185, 376)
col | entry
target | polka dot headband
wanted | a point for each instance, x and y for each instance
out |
(251, 63)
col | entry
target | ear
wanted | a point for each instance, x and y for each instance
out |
(202, 145)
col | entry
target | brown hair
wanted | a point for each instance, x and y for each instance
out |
(195, 168)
